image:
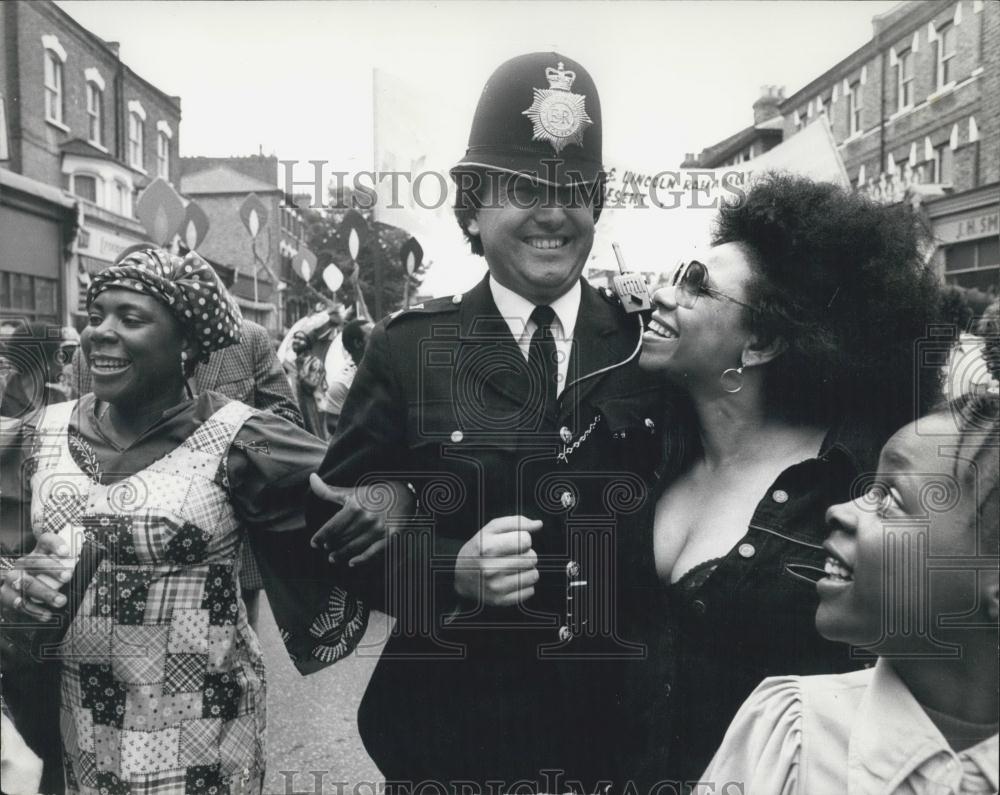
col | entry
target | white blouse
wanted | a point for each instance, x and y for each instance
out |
(861, 733)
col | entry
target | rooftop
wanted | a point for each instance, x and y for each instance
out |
(222, 179)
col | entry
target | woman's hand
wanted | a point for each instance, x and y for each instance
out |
(31, 587)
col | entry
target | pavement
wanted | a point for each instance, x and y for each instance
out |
(312, 736)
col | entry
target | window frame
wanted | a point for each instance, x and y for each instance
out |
(943, 58)
(54, 94)
(97, 186)
(855, 104)
(7, 279)
(939, 160)
(136, 140)
(95, 113)
(163, 155)
(904, 82)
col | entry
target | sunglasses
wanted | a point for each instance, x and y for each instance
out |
(691, 280)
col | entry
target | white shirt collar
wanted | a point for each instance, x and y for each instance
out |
(893, 737)
(516, 309)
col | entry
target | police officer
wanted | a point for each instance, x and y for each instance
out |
(516, 415)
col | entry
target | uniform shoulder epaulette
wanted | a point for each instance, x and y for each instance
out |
(610, 296)
(447, 303)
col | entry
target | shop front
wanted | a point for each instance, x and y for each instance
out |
(966, 229)
(37, 223)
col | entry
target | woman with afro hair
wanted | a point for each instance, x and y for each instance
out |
(792, 350)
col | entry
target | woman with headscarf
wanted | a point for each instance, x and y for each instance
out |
(162, 680)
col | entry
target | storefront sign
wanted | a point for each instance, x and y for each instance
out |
(968, 227)
(103, 245)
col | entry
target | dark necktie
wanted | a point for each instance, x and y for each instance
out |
(542, 359)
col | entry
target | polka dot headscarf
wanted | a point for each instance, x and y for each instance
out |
(189, 287)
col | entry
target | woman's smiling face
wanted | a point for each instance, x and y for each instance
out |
(133, 346)
(692, 345)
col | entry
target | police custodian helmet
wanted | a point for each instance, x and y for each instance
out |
(539, 115)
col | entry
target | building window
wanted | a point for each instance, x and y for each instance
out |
(121, 199)
(941, 165)
(824, 104)
(29, 296)
(135, 140)
(973, 264)
(854, 108)
(85, 186)
(904, 81)
(4, 147)
(53, 87)
(945, 55)
(162, 155)
(95, 114)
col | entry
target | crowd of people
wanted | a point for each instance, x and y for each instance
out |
(742, 539)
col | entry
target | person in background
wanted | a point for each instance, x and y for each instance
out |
(161, 679)
(310, 379)
(789, 347)
(354, 338)
(33, 356)
(924, 720)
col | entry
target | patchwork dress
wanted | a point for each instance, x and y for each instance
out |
(162, 678)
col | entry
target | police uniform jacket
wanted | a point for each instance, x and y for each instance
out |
(445, 401)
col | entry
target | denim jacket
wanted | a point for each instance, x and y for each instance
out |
(712, 637)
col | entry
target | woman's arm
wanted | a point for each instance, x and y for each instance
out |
(315, 603)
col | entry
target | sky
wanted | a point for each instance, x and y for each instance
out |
(295, 78)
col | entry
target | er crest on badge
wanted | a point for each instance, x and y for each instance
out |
(558, 115)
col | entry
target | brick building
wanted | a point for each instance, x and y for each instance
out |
(81, 135)
(262, 267)
(915, 113)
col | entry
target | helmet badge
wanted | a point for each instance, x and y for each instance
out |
(558, 115)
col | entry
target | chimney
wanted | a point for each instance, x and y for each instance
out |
(114, 47)
(766, 107)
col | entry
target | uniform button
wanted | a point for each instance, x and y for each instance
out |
(650, 425)
(457, 436)
(747, 550)
(780, 496)
(573, 569)
(565, 434)
(564, 633)
(699, 607)
(567, 500)
(456, 299)
(666, 689)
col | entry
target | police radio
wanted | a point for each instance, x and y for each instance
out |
(630, 287)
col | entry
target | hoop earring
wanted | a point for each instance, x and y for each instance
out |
(184, 375)
(734, 378)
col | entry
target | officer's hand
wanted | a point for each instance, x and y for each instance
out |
(360, 529)
(31, 587)
(497, 565)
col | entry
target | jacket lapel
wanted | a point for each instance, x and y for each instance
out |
(596, 346)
